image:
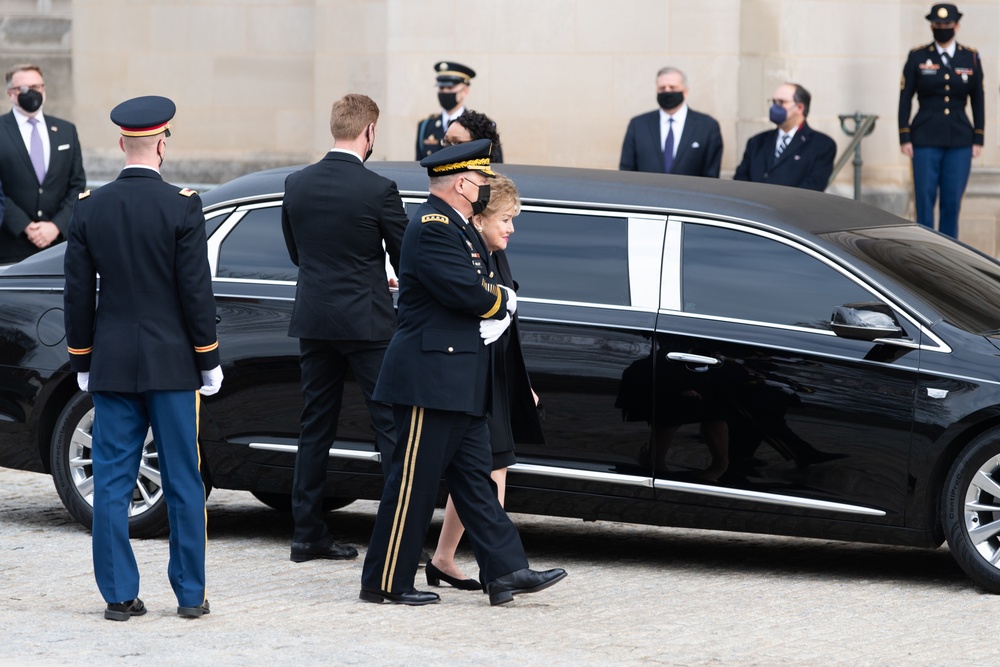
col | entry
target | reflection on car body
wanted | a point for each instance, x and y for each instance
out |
(714, 355)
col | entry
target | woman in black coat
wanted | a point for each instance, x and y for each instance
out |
(513, 399)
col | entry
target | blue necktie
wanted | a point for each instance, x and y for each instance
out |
(668, 148)
(37, 153)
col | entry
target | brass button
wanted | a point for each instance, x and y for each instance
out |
(947, 76)
(947, 99)
(947, 87)
(451, 349)
(947, 111)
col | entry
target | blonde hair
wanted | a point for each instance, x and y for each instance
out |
(503, 195)
(351, 114)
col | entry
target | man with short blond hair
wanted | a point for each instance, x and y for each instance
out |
(41, 168)
(336, 216)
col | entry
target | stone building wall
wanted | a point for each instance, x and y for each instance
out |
(254, 79)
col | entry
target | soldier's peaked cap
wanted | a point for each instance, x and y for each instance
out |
(470, 156)
(944, 13)
(144, 116)
(451, 73)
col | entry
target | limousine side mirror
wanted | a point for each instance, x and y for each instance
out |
(865, 321)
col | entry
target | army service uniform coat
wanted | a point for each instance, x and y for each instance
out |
(154, 326)
(942, 94)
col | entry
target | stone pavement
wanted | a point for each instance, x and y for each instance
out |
(635, 595)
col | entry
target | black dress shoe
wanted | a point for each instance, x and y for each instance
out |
(303, 551)
(194, 612)
(122, 611)
(503, 589)
(412, 597)
(436, 576)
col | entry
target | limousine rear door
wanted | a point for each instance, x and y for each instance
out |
(587, 303)
(760, 409)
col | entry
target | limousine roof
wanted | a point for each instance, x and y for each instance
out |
(783, 207)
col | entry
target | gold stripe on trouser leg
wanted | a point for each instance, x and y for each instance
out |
(197, 448)
(403, 501)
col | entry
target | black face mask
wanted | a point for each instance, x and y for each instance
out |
(448, 101)
(30, 100)
(943, 35)
(482, 199)
(670, 100)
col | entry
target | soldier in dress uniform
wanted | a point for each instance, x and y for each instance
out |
(453, 81)
(143, 352)
(940, 140)
(437, 376)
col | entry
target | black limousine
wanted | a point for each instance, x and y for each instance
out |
(710, 354)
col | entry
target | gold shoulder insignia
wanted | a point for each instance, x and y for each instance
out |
(84, 194)
(434, 217)
(187, 192)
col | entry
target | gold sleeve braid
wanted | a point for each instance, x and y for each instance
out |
(495, 291)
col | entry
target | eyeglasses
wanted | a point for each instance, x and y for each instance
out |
(38, 88)
(452, 142)
(780, 103)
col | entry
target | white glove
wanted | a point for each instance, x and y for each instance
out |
(491, 330)
(511, 298)
(83, 381)
(211, 381)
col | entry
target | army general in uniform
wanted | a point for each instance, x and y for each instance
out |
(437, 375)
(945, 76)
(143, 351)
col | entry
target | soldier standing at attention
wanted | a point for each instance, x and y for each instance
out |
(940, 140)
(144, 352)
(453, 81)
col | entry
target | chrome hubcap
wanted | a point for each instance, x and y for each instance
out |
(982, 511)
(81, 464)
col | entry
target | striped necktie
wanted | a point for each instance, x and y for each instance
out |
(782, 145)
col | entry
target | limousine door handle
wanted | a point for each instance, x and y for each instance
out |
(686, 358)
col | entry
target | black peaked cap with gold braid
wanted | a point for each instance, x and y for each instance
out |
(470, 156)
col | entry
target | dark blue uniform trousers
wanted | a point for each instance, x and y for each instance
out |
(429, 444)
(120, 425)
(945, 169)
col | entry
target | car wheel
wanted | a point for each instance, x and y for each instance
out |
(971, 510)
(283, 501)
(73, 472)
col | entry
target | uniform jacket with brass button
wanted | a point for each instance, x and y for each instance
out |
(942, 94)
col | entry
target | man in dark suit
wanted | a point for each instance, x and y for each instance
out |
(792, 154)
(673, 139)
(41, 169)
(143, 352)
(335, 217)
(437, 375)
(453, 81)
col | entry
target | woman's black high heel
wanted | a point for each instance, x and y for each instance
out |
(435, 576)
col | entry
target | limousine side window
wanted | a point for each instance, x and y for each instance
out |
(744, 276)
(570, 257)
(255, 248)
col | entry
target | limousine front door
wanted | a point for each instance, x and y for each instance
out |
(759, 405)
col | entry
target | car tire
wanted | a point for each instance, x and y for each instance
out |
(970, 510)
(283, 501)
(72, 472)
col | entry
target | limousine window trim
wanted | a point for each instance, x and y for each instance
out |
(801, 245)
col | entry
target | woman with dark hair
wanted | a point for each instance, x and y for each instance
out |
(471, 126)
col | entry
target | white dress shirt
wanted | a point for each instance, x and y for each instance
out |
(680, 117)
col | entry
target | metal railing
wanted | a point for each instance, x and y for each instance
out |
(863, 126)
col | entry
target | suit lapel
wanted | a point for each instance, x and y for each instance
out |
(690, 125)
(55, 155)
(17, 141)
(795, 146)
